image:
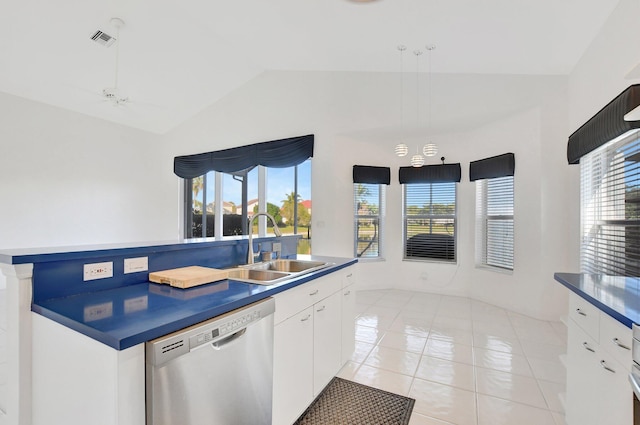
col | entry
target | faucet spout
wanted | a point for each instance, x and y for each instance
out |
(276, 230)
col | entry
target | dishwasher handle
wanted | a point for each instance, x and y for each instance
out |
(221, 343)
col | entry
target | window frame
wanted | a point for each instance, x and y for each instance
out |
(431, 217)
(218, 207)
(380, 217)
(484, 218)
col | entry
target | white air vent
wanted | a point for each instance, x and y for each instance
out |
(103, 38)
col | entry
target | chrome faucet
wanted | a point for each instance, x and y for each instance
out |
(276, 230)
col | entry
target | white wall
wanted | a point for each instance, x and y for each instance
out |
(67, 179)
(355, 119)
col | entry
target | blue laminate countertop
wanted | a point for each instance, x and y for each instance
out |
(130, 315)
(618, 296)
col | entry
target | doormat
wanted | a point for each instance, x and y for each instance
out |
(345, 402)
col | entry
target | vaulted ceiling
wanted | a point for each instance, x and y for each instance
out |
(178, 57)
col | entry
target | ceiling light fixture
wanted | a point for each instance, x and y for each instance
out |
(430, 149)
(417, 160)
(401, 148)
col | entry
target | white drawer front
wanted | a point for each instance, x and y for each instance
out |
(586, 315)
(615, 338)
(297, 299)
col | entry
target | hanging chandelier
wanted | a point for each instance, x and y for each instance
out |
(430, 149)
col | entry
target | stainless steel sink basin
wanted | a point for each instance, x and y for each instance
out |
(262, 277)
(274, 271)
(288, 266)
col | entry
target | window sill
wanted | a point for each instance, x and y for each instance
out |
(494, 269)
(371, 259)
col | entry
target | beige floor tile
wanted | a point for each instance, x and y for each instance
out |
(383, 379)
(418, 419)
(368, 334)
(448, 350)
(521, 389)
(444, 402)
(505, 362)
(404, 342)
(497, 343)
(551, 392)
(446, 372)
(496, 411)
(394, 360)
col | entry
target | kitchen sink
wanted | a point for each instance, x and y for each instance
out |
(274, 271)
(262, 277)
(287, 266)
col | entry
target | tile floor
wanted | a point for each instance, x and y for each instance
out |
(465, 362)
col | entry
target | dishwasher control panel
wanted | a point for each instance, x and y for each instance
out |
(168, 347)
(234, 324)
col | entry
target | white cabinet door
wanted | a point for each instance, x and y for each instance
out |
(615, 396)
(582, 358)
(293, 367)
(598, 391)
(348, 323)
(327, 341)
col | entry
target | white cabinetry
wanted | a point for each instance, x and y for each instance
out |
(293, 366)
(598, 363)
(349, 279)
(312, 323)
(78, 380)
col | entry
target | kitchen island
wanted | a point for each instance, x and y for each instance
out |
(78, 346)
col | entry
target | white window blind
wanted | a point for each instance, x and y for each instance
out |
(430, 221)
(610, 206)
(368, 205)
(494, 222)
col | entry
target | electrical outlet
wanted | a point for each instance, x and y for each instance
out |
(98, 270)
(134, 265)
(277, 247)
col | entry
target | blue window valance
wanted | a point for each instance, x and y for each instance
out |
(604, 126)
(371, 175)
(489, 168)
(276, 154)
(442, 173)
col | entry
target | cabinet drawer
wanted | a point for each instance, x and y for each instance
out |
(349, 276)
(615, 338)
(586, 315)
(296, 299)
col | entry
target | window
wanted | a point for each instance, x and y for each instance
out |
(368, 209)
(368, 204)
(494, 222)
(430, 221)
(610, 208)
(240, 195)
(429, 211)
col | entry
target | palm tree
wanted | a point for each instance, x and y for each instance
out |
(288, 206)
(197, 185)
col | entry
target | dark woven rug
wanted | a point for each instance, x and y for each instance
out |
(344, 402)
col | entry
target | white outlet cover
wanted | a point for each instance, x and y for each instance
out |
(135, 265)
(95, 271)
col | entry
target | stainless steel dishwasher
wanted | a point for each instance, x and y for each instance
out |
(218, 372)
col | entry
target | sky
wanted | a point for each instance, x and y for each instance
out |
(280, 182)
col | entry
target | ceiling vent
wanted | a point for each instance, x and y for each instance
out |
(103, 38)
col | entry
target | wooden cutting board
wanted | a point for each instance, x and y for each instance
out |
(186, 277)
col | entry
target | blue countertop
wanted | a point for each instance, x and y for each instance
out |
(133, 314)
(618, 296)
